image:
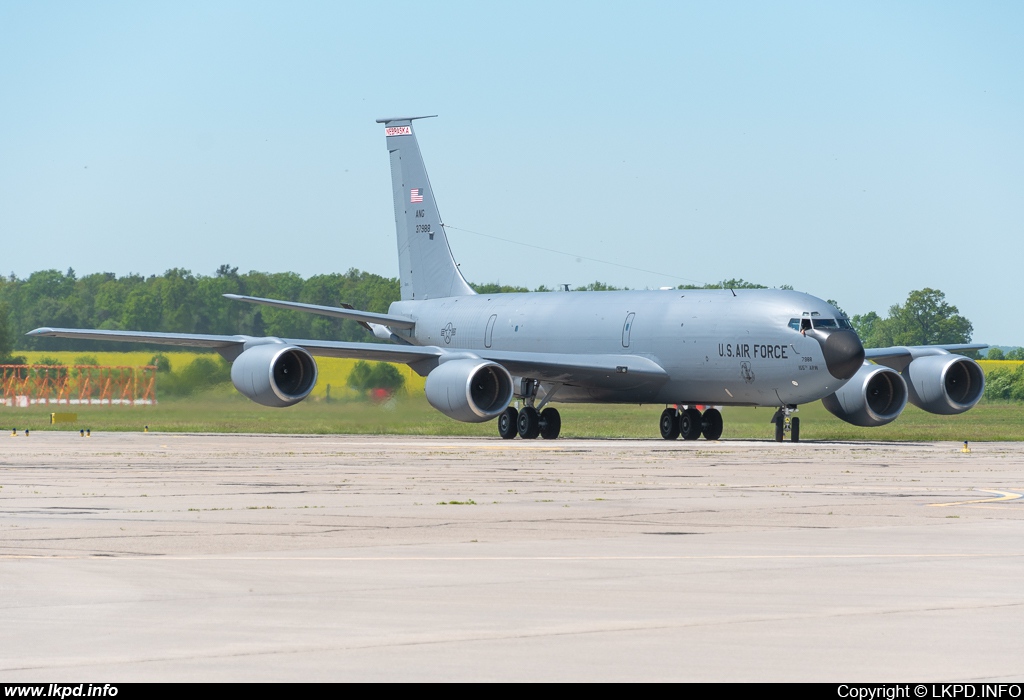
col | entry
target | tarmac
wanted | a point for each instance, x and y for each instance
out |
(182, 557)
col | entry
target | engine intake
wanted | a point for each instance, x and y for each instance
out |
(945, 384)
(876, 395)
(274, 374)
(469, 390)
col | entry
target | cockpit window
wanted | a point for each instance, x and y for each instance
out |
(843, 323)
(794, 323)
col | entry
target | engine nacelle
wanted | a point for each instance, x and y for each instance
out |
(876, 395)
(274, 374)
(469, 390)
(944, 384)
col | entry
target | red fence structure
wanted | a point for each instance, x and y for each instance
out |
(27, 385)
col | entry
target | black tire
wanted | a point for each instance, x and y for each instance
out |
(713, 424)
(780, 428)
(690, 424)
(669, 424)
(794, 430)
(528, 423)
(550, 423)
(508, 426)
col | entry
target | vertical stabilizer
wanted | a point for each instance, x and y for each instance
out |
(427, 269)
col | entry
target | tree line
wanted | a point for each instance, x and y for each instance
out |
(179, 301)
(182, 302)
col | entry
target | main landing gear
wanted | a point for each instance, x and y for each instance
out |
(529, 423)
(786, 423)
(690, 423)
(533, 420)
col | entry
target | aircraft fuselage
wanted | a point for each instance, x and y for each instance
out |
(717, 346)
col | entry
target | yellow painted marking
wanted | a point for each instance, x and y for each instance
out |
(1003, 496)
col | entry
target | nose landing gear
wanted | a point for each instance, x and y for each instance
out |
(786, 423)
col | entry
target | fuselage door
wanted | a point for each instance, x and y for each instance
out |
(490, 330)
(626, 328)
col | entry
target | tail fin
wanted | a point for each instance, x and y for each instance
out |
(427, 269)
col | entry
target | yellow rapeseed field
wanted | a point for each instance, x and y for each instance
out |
(333, 371)
(989, 365)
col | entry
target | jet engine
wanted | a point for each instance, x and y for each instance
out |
(469, 390)
(876, 395)
(944, 384)
(274, 374)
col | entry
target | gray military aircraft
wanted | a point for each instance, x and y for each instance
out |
(687, 349)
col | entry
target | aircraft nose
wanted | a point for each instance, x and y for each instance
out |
(842, 349)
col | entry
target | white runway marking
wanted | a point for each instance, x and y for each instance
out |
(1003, 496)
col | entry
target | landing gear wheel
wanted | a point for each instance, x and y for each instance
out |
(690, 424)
(528, 423)
(713, 424)
(669, 424)
(794, 430)
(550, 423)
(780, 426)
(507, 423)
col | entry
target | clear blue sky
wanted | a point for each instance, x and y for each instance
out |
(856, 151)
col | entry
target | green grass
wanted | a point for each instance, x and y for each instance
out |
(225, 411)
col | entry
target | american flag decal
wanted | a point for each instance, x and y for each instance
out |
(415, 195)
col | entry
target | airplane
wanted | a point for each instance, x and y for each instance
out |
(485, 354)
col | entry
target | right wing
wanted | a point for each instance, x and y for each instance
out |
(898, 357)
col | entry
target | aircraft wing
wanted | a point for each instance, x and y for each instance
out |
(900, 356)
(230, 346)
(577, 369)
(607, 371)
(187, 340)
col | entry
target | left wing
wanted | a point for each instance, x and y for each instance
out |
(188, 340)
(605, 371)
(231, 346)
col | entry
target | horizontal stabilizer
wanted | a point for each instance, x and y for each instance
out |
(335, 312)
